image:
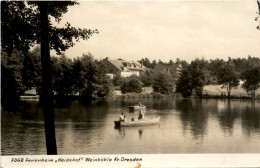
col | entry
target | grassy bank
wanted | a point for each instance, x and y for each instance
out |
(150, 95)
(216, 91)
(209, 91)
(146, 93)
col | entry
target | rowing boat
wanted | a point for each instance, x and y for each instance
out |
(136, 108)
(145, 121)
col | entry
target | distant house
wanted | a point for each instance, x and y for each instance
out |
(213, 80)
(122, 68)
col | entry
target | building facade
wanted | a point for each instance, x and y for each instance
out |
(122, 68)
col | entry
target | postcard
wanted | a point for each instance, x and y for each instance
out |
(131, 84)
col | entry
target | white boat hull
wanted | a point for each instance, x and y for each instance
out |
(136, 108)
(142, 122)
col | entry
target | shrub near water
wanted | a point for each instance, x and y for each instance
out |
(131, 84)
(163, 83)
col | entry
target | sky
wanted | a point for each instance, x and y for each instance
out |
(167, 30)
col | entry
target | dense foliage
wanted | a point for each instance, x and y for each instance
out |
(11, 75)
(251, 79)
(194, 78)
(90, 77)
(117, 80)
(83, 75)
(147, 78)
(162, 83)
(21, 20)
(131, 84)
(228, 74)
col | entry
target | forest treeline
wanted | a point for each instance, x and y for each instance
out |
(86, 77)
(200, 72)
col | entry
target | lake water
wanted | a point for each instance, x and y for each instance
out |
(186, 126)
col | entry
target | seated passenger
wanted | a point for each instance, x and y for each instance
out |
(140, 104)
(141, 115)
(122, 117)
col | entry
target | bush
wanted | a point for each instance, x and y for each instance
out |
(163, 83)
(131, 84)
(117, 80)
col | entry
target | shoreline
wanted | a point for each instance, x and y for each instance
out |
(153, 95)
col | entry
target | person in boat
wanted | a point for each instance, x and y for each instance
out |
(122, 117)
(141, 115)
(140, 104)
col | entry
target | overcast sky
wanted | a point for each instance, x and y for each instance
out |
(166, 30)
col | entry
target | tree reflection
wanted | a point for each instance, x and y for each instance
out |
(193, 116)
(251, 118)
(22, 137)
(163, 104)
(227, 115)
(13, 105)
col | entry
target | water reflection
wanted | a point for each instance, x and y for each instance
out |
(140, 131)
(19, 135)
(121, 131)
(193, 116)
(251, 118)
(187, 126)
(227, 114)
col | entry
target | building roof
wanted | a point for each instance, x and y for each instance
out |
(122, 64)
(117, 64)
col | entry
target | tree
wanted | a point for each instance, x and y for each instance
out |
(163, 83)
(31, 72)
(146, 62)
(147, 78)
(161, 62)
(251, 78)
(243, 64)
(216, 65)
(200, 74)
(183, 63)
(258, 15)
(131, 84)
(62, 72)
(19, 26)
(194, 77)
(78, 74)
(184, 83)
(90, 69)
(153, 64)
(135, 84)
(124, 86)
(11, 76)
(103, 82)
(89, 78)
(228, 77)
(20, 29)
(170, 62)
(117, 80)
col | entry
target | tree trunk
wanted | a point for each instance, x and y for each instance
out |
(253, 94)
(229, 90)
(47, 95)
